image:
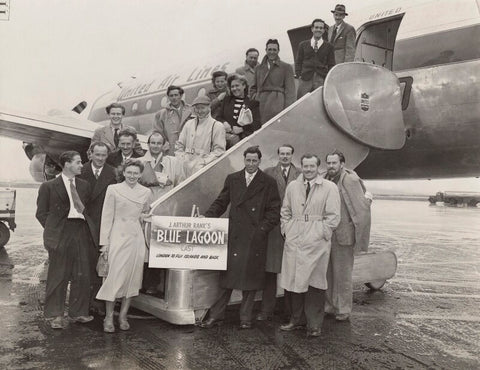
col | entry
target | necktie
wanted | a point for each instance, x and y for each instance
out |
(77, 203)
(97, 173)
(315, 47)
(115, 138)
(285, 174)
(249, 179)
(334, 34)
(308, 189)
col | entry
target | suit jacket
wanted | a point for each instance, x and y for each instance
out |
(275, 238)
(344, 43)
(308, 62)
(225, 114)
(354, 227)
(104, 134)
(93, 208)
(254, 211)
(53, 206)
(115, 159)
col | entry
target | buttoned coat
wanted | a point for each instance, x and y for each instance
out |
(273, 87)
(248, 72)
(93, 208)
(275, 238)
(309, 62)
(169, 123)
(53, 206)
(355, 233)
(225, 114)
(254, 212)
(308, 224)
(344, 43)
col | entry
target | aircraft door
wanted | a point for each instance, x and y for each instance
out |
(376, 41)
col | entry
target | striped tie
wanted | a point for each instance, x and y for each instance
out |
(77, 202)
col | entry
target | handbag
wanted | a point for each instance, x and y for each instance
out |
(102, 265)
(245, 116)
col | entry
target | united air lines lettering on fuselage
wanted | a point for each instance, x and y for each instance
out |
(157, 85)
(384, 14)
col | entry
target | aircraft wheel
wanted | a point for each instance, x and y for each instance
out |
(4, 234)
(376, 284)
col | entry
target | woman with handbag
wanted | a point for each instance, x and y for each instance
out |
(123, 242)
(240, 114)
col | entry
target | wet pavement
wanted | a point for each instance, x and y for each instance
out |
(427, 316)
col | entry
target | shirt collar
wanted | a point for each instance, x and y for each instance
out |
(317, 180)
(250, 175)
(66, 179)
(319, 42)
(96, 169)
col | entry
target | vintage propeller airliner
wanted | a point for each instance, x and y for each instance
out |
(407, 108)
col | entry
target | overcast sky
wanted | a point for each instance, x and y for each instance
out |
(56, 53)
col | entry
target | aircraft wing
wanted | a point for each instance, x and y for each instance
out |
(54, 133)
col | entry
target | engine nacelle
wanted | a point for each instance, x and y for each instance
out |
(42, 167)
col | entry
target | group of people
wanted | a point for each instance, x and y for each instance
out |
(299, 225)
(98, 207)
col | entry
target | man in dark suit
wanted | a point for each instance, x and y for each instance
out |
(254, 211)
(99, 175)
(283, 173)
(342, 36)
(126, 142)
(60, 210)
(351, 236)
(315, 57)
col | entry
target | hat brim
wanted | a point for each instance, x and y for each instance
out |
(336, 11)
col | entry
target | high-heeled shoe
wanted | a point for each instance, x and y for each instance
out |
(108, 326)
(124, 325)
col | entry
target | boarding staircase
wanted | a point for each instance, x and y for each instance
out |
(358, 108)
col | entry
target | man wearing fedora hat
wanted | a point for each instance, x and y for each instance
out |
(342, 36)
(202, 139)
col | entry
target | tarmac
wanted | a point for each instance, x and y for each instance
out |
(426, 317)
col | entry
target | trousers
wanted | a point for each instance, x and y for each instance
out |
(309, 305)
(304, 87)
(339, 277)
(269, 295)
(70, 262)
(217, 311)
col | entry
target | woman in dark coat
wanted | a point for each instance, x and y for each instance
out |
(238, 125)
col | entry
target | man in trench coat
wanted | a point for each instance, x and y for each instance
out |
(310, 212)
(254, 211)
(351, 236)
(283, 173)
(274, 84)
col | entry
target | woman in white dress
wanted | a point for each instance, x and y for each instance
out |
(122, 238)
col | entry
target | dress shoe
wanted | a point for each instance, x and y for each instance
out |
(245, 325)
(342, 317)
(108, 326)
(291, 326)
(210, 323)
(313, 333)
(263, 316)
(123, 323)
(81, 319)
(58, 323)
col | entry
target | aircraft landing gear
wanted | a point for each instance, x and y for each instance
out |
(376, 284)
(4, 234)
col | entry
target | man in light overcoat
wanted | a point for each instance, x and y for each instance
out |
(342, 36)
(351, 236)
(274, 84)
(310, 212)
